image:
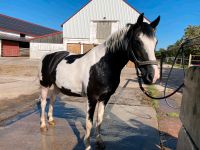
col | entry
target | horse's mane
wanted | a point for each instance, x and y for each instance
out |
(117, 40)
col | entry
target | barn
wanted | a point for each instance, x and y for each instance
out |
(42, 45)
(15, 35)
(94, 22)
(88, 27)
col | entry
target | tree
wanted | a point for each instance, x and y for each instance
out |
(160, 52)
(192, 32)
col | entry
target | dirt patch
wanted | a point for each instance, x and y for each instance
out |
(12, 107)
(18, 70)
(17, 76)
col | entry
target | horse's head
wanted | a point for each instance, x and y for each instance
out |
(142, 48)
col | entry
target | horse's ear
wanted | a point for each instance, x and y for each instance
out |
(155, 22)
(140, 19)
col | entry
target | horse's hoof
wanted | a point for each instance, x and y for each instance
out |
(52, 123)
(88, 148)
(44, 129)
(100, 145)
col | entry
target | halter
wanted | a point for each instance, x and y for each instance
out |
(142, 63)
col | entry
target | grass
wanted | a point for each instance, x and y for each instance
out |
(173, 114)
(152, 90)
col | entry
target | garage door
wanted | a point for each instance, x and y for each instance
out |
(10, 48)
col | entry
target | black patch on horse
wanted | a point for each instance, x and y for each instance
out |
(49, 65)
(104, 78)
(147, 30)
(70, 59)
(69, 92)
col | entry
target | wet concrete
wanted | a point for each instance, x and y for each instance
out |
(125, 126)
(129, 123)
(24, 134)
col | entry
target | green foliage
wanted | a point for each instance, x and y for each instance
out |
(192, 31)
(152, 90)
(173, 114)
(160, 52)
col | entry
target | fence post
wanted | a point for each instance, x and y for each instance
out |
(190, 59)
(161, 66)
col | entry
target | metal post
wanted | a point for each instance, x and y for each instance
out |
(161, 66)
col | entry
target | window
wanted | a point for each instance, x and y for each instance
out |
(100, 30)
(22, 35)
(103, 29)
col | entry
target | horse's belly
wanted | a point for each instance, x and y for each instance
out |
(70, 79)
(72, 84)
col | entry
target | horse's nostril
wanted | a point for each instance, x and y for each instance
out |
(149, 78)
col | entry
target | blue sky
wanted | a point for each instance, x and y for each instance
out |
(176, 15)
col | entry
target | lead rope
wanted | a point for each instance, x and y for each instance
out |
(147, 94)
(165, 96)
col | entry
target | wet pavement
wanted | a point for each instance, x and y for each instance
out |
(126, 126)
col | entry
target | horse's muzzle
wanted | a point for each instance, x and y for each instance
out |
(151, 76)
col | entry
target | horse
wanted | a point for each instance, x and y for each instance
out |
(96, 74)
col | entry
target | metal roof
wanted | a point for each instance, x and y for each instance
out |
(15, 25)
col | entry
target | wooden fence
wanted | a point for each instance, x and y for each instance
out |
(194, 60)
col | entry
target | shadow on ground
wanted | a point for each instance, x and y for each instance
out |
(176, 78)
(116, 133)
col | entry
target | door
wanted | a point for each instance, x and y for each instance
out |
(10, 48)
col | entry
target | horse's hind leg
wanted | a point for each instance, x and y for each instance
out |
(53, 95)
(44, 93)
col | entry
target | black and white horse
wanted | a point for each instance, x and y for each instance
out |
(96, 74)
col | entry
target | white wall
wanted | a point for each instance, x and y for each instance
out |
(79, 25)
(14, 34)
(37, 50)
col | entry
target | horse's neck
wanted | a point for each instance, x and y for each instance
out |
(117, 59)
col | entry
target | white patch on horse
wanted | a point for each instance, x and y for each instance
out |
(76, 75)
(149, 46)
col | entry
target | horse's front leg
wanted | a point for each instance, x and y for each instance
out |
(91, 104)
(100, 113)
(44, 93)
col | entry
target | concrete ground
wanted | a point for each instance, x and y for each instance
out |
(129, 123)
(168, 117)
